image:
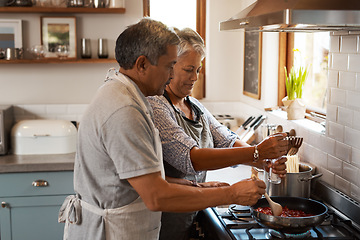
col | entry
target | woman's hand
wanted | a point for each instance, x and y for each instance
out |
(278, 166)
(273, 147)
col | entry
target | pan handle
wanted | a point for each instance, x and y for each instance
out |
(310, 178)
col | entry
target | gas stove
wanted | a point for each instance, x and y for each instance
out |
(233, 222)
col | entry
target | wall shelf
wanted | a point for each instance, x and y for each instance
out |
(60, 10)
(56, 60)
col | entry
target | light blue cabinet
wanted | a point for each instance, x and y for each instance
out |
(30, 203)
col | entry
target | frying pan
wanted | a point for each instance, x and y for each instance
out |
(291, 224)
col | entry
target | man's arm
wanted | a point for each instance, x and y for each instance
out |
(159, 195)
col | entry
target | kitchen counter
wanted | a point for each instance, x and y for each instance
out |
(37, 163)
(231, 175)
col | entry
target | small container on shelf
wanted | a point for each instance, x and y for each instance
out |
(102, 48)
(85, 48)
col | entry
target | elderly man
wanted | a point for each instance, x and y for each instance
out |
(118, 176)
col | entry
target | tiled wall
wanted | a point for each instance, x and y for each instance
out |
(343, 114)
(71, 112)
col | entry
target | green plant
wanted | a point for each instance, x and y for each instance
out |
(295, 81)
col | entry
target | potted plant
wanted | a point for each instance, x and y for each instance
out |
(294, 83)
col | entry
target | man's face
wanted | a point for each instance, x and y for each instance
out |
(161, 74)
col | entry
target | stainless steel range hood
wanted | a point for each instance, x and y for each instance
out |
(297, 15)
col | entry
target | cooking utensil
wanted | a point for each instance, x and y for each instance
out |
(275, 207)
(251, 125)
(291, 224)
(242, 128)
(295, 143)
(293, 184)
(252, 130)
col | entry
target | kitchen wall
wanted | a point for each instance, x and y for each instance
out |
(63, 83)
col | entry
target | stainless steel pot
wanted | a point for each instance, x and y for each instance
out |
(294, 184)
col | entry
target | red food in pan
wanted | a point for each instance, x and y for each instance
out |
(286, 212)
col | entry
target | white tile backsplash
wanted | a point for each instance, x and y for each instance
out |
(355, 157)
(334, 165)
(345, 116)
(339, 62)
(343, 151)
(350, 172)
(354, 62)
(331, 112)
(352, 137)
(333, 78)
(348, 44)
(356, 120)
(334, 44)
(353, 100)
(347, 80)
(327, 144)
(328, 176)
(337, 96)
(71, 112)
(355, 191)
(336, 131)
(343, 184)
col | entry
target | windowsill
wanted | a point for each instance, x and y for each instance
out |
(305, 123)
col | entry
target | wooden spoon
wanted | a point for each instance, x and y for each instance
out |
(276, 208)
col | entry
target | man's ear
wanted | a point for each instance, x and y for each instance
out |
(141, 64)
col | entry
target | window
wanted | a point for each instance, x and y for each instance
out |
(181, 14)
(312, 50)
(308, 50)
(172, 12)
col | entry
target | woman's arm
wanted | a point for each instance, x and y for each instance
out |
(272, 147)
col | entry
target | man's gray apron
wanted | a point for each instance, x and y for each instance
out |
(176, 226)
(131, 222)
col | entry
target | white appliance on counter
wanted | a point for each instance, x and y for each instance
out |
(43, 137)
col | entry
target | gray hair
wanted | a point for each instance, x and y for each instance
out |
(189, 39)
(147, 37)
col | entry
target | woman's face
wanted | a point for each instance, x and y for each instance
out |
(186, 72)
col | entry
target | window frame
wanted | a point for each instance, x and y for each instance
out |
(199, 88)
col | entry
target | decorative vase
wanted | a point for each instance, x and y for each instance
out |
(295, 108)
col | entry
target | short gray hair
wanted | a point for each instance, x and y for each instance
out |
(190, 39)
(147, 37)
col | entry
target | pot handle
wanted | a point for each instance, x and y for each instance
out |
(310, 178)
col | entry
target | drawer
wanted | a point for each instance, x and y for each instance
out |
(22, 184)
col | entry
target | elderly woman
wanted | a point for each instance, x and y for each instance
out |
(194, 141)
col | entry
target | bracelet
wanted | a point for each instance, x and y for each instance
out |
(256, 154)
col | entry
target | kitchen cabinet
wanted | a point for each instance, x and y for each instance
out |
(30, 204)
(54, 10)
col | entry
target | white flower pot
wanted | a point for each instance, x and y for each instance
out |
(295, 108)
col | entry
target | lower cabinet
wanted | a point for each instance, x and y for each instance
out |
(30, 204)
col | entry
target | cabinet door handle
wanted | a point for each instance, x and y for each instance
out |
(3, 204)
(40, 183)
